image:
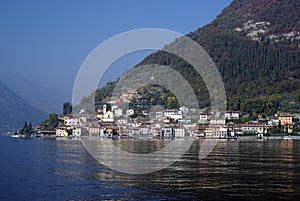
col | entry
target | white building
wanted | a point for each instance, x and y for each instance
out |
(108, 117)
(159, 114)
(273, 122)
(220, 132)
(179, 132)
(167, 132)
(118, 112)
(204, 117)
(77, 132)
(122, 121)
(184, 109)
(145, 131)
(217, 122)
(70, 121)
(61, 132)
(230, 114)
(216, 131)
(113, 107)
(171, 113)
(129, 112)
(254, 128)
(94, 130)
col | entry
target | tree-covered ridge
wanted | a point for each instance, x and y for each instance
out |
(96, 100)
(261, 75)
(281, 14)
(257, 78)
(152, 95)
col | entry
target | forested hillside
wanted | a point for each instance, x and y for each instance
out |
(256, 47)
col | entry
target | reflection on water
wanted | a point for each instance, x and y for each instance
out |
(239, 170)
(141, 146)
(287, 163)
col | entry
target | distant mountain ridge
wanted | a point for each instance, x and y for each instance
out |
(44, 99)
(14, 111)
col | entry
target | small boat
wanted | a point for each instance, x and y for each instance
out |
(36, 135)
(200, 135)
(287, 137)
(15, 136)
(115, 137)
(124, 136)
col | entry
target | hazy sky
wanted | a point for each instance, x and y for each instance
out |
(47, 40)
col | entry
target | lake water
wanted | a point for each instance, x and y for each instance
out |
(234, 170)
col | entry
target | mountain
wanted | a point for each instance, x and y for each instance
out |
(44, 99)
(255, 44)
(256, 47)
(14, 111)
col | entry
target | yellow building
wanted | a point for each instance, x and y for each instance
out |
(286, 121)
(60, 132)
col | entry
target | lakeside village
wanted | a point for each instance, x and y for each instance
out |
(117, 122)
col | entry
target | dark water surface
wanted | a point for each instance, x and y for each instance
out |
(235, 170)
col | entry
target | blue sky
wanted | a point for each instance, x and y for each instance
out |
(47, 41)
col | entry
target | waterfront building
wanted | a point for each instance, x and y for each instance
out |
(77, 132)
(61, 132)
(254, 128)
(286, 120)
(179, 132)
(167, 132)
(94, 130)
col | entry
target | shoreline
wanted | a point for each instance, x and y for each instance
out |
(239, 138)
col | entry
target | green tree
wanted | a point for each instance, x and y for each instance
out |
(67, 108)
(51, 123)
(30, 126)
(25, 128)
(172, 102)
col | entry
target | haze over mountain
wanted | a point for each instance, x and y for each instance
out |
(14, 111)
(42, 98)
(256, 47)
